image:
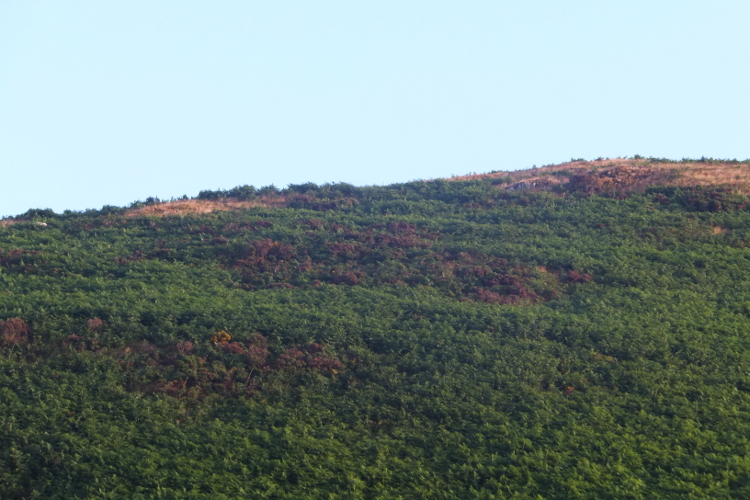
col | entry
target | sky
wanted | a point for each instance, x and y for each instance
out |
(106, 102)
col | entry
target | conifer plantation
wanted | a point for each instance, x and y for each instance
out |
(573, 331)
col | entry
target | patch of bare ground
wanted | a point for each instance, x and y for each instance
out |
(8, 222)
(185, 207)
(623, 174)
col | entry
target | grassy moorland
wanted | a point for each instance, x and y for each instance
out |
(573, 331)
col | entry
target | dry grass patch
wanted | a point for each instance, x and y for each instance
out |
(623, 174)
(185, 207)
(8, 222)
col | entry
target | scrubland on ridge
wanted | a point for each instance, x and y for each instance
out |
(601, 175)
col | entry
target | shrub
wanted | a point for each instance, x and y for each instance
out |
(14, 332)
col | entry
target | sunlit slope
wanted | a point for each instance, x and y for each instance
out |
(601, 176)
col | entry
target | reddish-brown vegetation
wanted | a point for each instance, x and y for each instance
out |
(201, 206)
(14, 331)
(623, 174)
(8, 222)
(577, 277)
(185, 347)
(95, 324)
(183, 207)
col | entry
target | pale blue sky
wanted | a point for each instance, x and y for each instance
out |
(105, 102)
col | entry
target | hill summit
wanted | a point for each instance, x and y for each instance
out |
(635, 174)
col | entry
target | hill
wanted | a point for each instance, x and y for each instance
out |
(572, 331)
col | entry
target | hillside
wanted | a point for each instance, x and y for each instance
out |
(572, 331)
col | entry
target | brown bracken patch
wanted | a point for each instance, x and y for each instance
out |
(14, 332)
(622, 174)
(8, 222)
(184, 207)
